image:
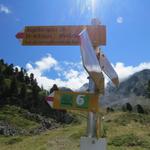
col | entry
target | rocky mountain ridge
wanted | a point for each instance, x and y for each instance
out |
(133, 90)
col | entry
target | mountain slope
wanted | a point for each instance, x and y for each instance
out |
(17, 121)
(133, 90)
(136, 84)
(19, 88)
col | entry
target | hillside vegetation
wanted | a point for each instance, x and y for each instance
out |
(123, 130)
(17, 121)
(28, 123)
(135, 90)
(20, 89)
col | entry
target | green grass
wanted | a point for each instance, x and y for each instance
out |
(129, 140)
(127, 118)
(124, 131)
(13, 116)
(128, 131)
(59, 139)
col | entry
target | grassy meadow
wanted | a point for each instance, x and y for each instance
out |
(123, 130)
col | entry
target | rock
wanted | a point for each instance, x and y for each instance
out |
(46, 123)
(7, 130)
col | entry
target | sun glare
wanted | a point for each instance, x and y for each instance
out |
(92, 8)
(93, 4)
(87, 6)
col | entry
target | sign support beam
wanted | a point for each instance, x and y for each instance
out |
(92, 125)
(93, 140)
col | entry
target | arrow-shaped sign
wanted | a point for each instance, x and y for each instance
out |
(107, 68)
(74, 101)
(61, 35)
(90, 61)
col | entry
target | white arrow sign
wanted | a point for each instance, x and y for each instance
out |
(107, 68)
(90, 61)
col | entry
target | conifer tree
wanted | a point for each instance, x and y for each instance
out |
(21, 75)
(14, 87)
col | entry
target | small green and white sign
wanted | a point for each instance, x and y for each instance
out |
(76, 101)
(82, 101)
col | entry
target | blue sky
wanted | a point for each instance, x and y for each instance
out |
(128, 37)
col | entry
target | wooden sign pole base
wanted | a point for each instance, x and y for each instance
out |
(87, 143)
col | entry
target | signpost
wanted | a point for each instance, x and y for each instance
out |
(61, 35)
(89, 37)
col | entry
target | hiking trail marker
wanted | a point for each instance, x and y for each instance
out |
(74, 101)
(60, 35)
(89, 37)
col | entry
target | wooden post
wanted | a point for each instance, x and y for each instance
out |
(93, 123)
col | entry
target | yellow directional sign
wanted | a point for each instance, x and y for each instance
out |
(76, 101)
(61, 35)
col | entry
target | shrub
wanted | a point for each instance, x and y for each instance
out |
(129, 140)
(140, 109)
(127, 107)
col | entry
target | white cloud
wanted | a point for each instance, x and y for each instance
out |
(46, 63)
(74, 82)
(39, 67)
(73, 75)
(72, 78)
(4, 9)
(29, 66)
(119, 19)
(126, 71)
